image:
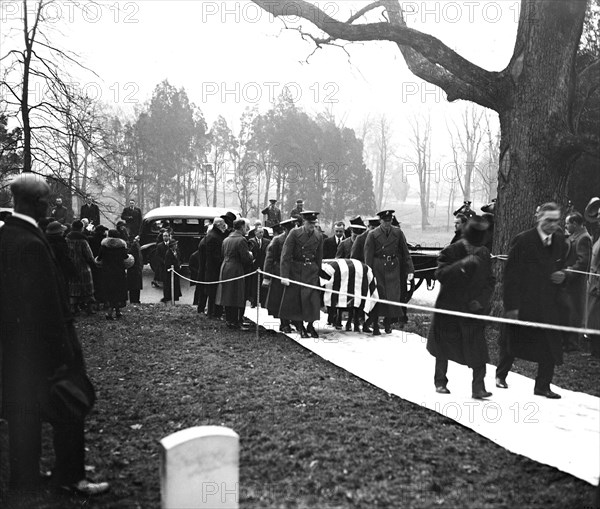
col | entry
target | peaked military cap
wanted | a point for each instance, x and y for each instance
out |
(309, 215)
(386, 214)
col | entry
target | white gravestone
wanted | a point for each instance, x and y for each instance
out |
(200, 469)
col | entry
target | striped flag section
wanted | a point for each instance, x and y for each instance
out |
(349, 276)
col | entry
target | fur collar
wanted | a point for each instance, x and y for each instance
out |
(113, 243)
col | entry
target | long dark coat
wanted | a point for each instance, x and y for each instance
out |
(345, 248)
(461, 339)
(389, 273)
(112, 257)
(237, 261)
(578, 257)
(158, 260)
(134, 273)
(330, 247)
(81, 284)
(91, 211)
(301, 259)
(94, 241)
(358, 247)
(171, 260)
(272, 266)
(36, 323)
(260, 255)
(527, 287)
(60, 249)
(214, 258)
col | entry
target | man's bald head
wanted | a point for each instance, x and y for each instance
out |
(30, 193)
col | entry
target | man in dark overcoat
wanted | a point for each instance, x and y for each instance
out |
(386, 252)
(579, 255)
(331, 244)
(356, 228)
(197, 264)
(237, 261)
(91, 211)
(158, 257)
(214, 259)
(465, 275)
(273, 213)
(61, 213)
(301, 259)
(38, 338)
(258, 245)
(532, 278)
(132, 216)
(272, 266)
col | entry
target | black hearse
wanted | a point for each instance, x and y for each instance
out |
(188, 224)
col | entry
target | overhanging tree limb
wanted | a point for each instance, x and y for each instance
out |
(431, 59)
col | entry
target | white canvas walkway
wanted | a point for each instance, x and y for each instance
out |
(561, 433)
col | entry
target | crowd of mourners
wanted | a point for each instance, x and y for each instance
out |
(52, 268)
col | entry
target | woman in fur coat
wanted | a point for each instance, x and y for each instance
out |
(114, 260)
(81, 284)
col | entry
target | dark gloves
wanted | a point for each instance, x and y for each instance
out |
(474, 306)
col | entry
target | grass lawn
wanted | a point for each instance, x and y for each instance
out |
(311, 434)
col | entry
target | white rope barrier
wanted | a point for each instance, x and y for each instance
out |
(582, 272)
(213, 282)
(488, 318)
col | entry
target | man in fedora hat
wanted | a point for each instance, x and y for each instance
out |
(296, 212)
(272, 212)
(386, 252)
(214, 259)
(593, 290)
(301, 259)
(39, 340)
(357, 227)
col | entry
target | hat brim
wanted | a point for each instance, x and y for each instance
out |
(591, 210)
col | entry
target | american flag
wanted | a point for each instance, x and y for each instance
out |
(349, 276)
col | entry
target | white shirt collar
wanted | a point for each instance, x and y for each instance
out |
(25, 218)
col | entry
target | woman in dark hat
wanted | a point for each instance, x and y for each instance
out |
(81, 284)
(171, 260)
(113, 260)
(465, 275)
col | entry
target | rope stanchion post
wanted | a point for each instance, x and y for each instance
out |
(172, 285)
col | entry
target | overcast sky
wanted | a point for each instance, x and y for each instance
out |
(230, 54)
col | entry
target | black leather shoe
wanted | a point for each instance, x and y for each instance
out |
(376, 331)
(501, 383)
(547, 393)
(356, 327)
(303, 332)
(481, 394)
(388, 330)
(312, 332)
(348, 326)
(366, 329)
(286, 329)
(442, 389)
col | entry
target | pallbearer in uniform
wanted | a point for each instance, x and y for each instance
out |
(358, 253)
(272, 266)
(301, 259)
(387, 254)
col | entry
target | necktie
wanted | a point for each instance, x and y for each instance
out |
(547, 241)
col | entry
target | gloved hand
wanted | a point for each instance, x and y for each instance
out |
(474, 306)
(469, 263)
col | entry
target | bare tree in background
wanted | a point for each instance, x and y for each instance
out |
(420, 162)
(466, 140)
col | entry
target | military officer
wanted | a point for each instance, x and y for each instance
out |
(387, 254)
(273, 214)
(297, 211)
(301, 259)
